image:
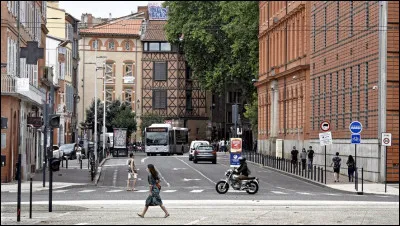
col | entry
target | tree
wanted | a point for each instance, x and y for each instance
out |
(125, 118)
(251, 113)
(149, 119)
(220, 41)
(89, 123)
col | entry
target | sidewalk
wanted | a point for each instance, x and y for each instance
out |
(344, 184)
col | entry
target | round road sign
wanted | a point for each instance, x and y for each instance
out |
(386, 141)
(325, 126)
(355, 127)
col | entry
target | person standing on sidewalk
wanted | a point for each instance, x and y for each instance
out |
(294, 154)
(351, 167)
(132, 173)
(154, 198)
(311, 155)
(336, 166)
(303, 157)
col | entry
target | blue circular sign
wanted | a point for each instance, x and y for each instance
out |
(355, 127)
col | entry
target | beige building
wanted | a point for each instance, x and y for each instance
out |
(117, 59)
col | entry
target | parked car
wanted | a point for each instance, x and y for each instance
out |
(205, 153)
(193, 146)
(69, 150)
(57, 153)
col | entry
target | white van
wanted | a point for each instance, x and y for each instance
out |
(193, 146)
(109, 137)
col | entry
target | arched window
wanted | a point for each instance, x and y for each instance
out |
(111, 45)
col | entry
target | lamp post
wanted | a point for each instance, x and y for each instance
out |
(104, 103)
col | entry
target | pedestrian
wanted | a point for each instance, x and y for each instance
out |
(132, 173)
(303, 157)
(78, 152)
(351, 168)
(154, 198)
(294, 154)
(311, 155)
(336, 166)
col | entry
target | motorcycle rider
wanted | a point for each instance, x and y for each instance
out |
(243, 170)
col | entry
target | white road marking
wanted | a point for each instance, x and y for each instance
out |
(86, 191)
(142, 191)
(59, 191)
(169, 191)
(304, 193)
(196, 191)
(184, 179)
(142, 161)
(236, 191)
(114, 191)
(382, 196)
(178, 168)
(81, 224)
(162, 177)
(197, 171)
(196, 221)
(330, 194)
(115, 177)
(279, 192)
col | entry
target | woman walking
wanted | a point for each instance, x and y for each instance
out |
(351, 167)
(154, 198)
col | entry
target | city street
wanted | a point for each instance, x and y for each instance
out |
(188, 190)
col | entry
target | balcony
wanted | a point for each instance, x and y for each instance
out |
(8, 87)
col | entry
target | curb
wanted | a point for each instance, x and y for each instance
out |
(307, 180)
(98, 173)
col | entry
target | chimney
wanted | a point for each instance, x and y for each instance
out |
(144, 9)
(89, 20)
(109, 17)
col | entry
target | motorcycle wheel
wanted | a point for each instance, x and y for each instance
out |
(253, 188)
(222, 187)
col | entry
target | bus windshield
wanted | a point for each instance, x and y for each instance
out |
(156, 138)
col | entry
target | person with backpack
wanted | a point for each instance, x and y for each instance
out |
(132, 173)
(336, 166)
(351, 168)
(303, 157)
(310, 157)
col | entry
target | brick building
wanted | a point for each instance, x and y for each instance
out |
(351, 74)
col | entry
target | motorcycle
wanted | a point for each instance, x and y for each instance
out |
(249, 185)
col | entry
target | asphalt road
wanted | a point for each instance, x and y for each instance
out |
(184, 180)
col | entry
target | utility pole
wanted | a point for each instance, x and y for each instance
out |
(20, 130)
(51, 150)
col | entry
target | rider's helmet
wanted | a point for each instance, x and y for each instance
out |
(242, 159)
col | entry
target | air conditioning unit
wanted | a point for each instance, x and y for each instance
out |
(275, 20)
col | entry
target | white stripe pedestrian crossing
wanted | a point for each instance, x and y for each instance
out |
(169, 191)
(59, 191)
(114, 191)
(279, 192)
(331, 194)
(303, 193)
(142, 191)
(87, 191)
(196, 191)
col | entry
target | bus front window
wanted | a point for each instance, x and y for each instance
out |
(156, 138)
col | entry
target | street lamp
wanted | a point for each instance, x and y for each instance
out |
(104, 103)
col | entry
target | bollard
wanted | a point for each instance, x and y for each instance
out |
(66, 163)
(302, 172)
(315, 167)
(308, 173)
(62, 162)
(322, 175)
(362, 180)
(30, 199)
(80, 160)
(318, 173)
(291, 168)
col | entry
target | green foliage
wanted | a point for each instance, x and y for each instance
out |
(252, 112)
(149, 119)
(220, 41)
(89, 123)
(125, 118)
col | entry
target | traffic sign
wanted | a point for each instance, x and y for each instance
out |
(325, 138)
(325, 126)
(355, 127)
(386, 139)
(234, 159)
(355, 138)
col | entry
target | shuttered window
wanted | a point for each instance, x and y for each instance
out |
(159, 99)
(160, 71)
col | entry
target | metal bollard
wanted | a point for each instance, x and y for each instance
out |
(291, 168)
(30, 199)
(362, 180)
(318, 173)
(322, 174)
(66, 164)
(62, 162)
(81, 162)
(308, 173)
(314, 172)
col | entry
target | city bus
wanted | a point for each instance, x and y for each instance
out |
(164, 139)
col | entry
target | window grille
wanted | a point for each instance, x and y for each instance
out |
(344, 99)
(358, 90)
(109, 95)
(367, 14)
(159, 99)
(351, 94)
(351, 17)
(366, 94)
(109, 73)
(325, 26)
(127, 46)
(337, 20)
(160, 71)
(128, 97)
(337, 99)
(111, 45)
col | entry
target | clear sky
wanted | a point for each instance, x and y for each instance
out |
(101, 9)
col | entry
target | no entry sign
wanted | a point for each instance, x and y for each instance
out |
(386, 139)
(325, 126)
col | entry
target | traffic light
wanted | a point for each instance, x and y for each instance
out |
(54, 164)
(54, 121)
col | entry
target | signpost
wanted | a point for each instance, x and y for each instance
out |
(355, 128)
(325, 138)
(236, 151)
(386, 141)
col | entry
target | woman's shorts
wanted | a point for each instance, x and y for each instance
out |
(336, 170)
(132, 175)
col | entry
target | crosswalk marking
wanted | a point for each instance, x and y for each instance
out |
(331, 194)
(170, 191)
(114, 191)
(59, 191)
(196, 191)
(86, 191)
(304, 193)
(237, 191)
(142, 191)
(279, 192)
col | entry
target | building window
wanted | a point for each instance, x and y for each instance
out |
(159, 99)
(95, 44)
(111, 45)
(344, 99)
(109, 73)
(314, 24)
(188, 71)
(324, 26)
(109, 95)
(337, 99)
(366, 94)
(367, 14)
(351, 17)
(165, 46)
(127, 46)
(128, 97)
(145, 46)
(154, 46)
(351, 93)
(128, 69)
(337, 20)
(358, 90)
(160, 71)
(189, 106)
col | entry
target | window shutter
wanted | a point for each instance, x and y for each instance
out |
(160, 71)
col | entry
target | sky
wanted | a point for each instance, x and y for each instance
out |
(101, 9)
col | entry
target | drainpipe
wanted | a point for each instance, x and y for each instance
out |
(383, 8)
(284, 84)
